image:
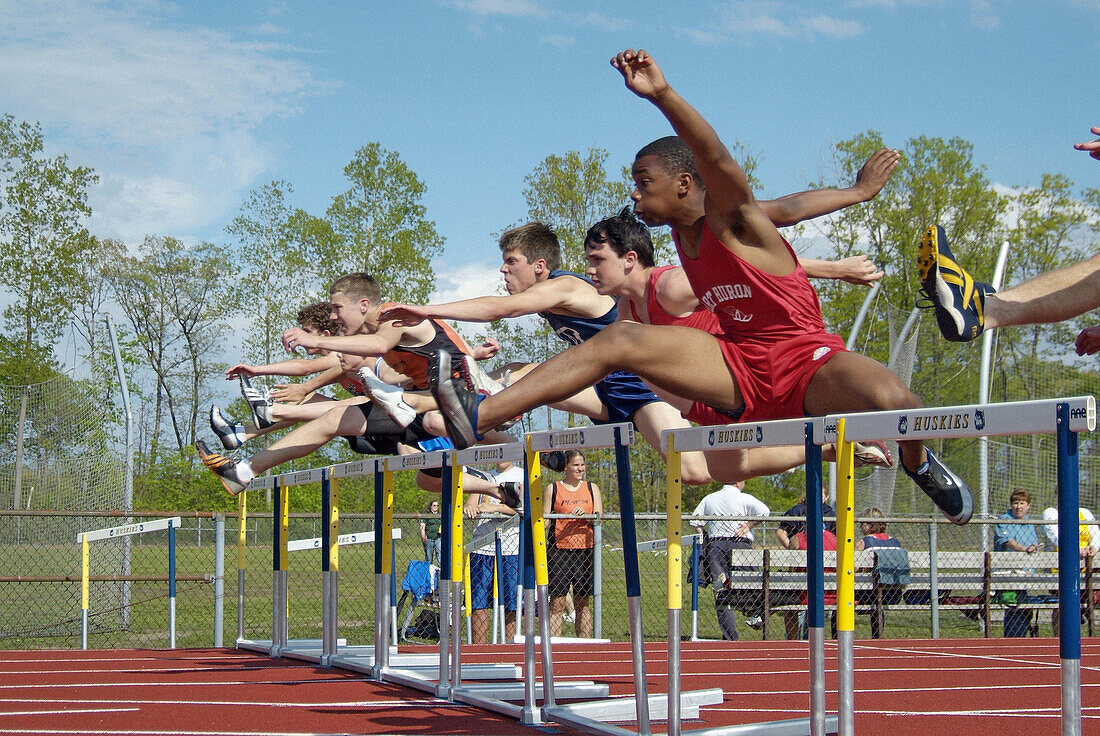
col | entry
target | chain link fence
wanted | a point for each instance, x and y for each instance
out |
(977, 590)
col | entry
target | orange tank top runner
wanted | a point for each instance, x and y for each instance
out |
(572, 533)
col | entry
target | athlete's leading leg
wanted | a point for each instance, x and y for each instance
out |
(347, 420)
(851, 382)
(680, 360)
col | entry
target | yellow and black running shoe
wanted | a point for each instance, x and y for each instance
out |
(958, 299)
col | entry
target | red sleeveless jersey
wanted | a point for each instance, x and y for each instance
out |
(701, 318)
(751, 305)
(773, 338)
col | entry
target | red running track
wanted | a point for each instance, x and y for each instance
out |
(994, 686)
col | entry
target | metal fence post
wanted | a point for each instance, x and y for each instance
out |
(219, 579)
(597, 572)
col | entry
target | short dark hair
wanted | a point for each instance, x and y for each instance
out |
(535, 241)
(1020, 493)
(674, 155)
(358, 286)
(317, 316)
(874, 527)
(623, 233)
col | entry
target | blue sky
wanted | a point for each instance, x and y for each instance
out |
(184, 108)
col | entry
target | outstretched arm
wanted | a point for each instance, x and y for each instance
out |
(726, 182)
(1093, 147)
(540, 297)
(384, 339)
(296, 393)
(872, 177)
(857, 270)
(294, 367)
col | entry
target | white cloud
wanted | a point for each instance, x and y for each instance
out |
(516, 8)
(467, 281)
(754, 18)
(703, 38)
(168, 116)
(824, 25)
(562, 42)
(603, 22)
(270, 29)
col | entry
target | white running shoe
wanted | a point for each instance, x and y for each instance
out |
(231, 433)
(872, 452)
(479, 380)
(259, 403)
(391, 398)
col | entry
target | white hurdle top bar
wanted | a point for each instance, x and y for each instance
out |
(578, 438)
(417, 461)
(510, 451)
(1009, 418)
(354, 469)
(749, 434)
(343, 540)
(127, 530)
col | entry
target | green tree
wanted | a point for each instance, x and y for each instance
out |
(42, 236)
(937, 181)
(177, 299)
(277, 267)
(571, 193)
(380, 227)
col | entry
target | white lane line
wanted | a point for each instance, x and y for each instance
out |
(143, 670)
(9, 713)
(404, 703)
(177, 683)
(129, 732)
(1013, 713)
(969, 655)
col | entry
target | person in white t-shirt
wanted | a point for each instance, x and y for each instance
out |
(483, 558)
(721, 538)
(1089, 540)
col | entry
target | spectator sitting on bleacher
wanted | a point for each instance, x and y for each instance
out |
(891, 566)
(793, 620)
(1018, 537)
(874, 532)
(789, 528)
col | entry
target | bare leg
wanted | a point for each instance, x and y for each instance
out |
(681, 360)
(853, 382)
(585, 625)
(731, 466)
(288, 414)
(341, 421)
(557, 608)
(1049, 297)
(480, 625)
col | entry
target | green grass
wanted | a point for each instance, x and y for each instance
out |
(41, 615)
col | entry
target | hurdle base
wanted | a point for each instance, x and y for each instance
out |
(597, 713)
(308, 650)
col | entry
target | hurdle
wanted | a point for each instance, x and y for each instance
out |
(1064, 418)
(280, 639)
(592, 716)
(127, 530)
(812, 434)
(419, 671)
